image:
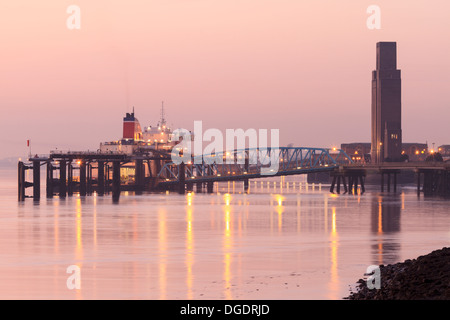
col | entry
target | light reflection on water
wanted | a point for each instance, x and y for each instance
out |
(280, 240)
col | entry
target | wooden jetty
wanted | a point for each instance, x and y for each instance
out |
(107, 179)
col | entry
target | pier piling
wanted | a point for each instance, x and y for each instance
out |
(181, 178)
(69, 178)
(36, 180)
(82, 178)
(101, 178)
(139, 176)
(62, 178)
(49, 179)
(116, 181)
(21, 180)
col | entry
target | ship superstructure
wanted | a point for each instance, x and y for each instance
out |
(136, 140)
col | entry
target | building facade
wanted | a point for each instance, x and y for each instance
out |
(357, 151)
(386, 105)
(360, 151)
(444, 150)
(415, 151)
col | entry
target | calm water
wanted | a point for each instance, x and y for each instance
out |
(273, 243)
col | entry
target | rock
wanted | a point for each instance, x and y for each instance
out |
(424, 278)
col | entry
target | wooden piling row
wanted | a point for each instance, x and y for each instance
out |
(436, 178)
(350, 181)
(391, 175)
(435, 182)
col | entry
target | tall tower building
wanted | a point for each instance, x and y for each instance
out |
(386, 105)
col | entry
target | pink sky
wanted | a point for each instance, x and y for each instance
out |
(303, 67)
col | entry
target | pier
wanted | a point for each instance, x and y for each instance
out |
(433, 177)
(74, 172)
(89, 172)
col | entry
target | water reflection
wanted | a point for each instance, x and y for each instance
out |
(279, 208)
(385, 222)
(162, 249)
(227, 247)
(189, 247)
(334, 243)
(79, 241)
(231, 244)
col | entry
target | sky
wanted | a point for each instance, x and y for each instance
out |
(300, 66)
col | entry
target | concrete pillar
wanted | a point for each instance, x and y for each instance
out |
(418, 183)
(49, 179)
(62, 179)
(107, 178)
(210, 187)
(101, 178)
(344, 183)
(246, 168)
(69, 178)
(389, 182)
(350, 184)
(21, 180)
(181, 178)
(139, 176)
(209, 184)
(116, 181)
(89, 179)
(83, 178)
(338, 189)
(355, 187)
(395, 182)
(363, 188)
(333, 183)
(36, 180)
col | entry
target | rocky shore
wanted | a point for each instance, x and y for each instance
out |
(424, 278)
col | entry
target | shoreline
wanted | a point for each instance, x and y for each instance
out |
(425, 278)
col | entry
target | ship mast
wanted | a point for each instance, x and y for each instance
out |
(163, 120)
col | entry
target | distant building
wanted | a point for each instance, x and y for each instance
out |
(358, 151)
(444, 150)
(415, 151)
(386, 105)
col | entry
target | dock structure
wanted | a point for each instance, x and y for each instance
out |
(95, 172)
(350, 180)
(436, 175)
(74, 172)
